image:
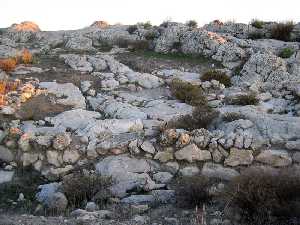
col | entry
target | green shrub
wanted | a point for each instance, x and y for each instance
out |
(80, 188)
(176, 45)
(286, 53)
(263, 192)
(256, 35)
(192, 191)
(232, 116)
(202, 116)
(147, 25)
(192, 24)
(282, 31)
(243, 99)
(187, 92)
(122, 42)
(217, 75)
(132, 28)
(150, 35)
(257, 23)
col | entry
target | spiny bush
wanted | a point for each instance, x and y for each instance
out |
(187, 92)
(202, 116)
(217, 75)
(255, 35)
(132, 28)
(232, 116)
(286, 53)
(80, 188)
(192, 23)
(8, 65)
(257, 23)
(243, 99)
(192, 191)
(282, 31)
(26, 57)
(262, 192)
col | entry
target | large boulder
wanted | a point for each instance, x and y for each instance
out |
(77, 62)
(80, 43)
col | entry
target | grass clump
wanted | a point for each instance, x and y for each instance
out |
(243, 99)
(282, 31)
(192, 23)
(264, 193)
(187, 92)
(201, 117)
(286, 53)
(192, 191)
(132, 28)
(257, 23)
(217, 75)
(81, 188)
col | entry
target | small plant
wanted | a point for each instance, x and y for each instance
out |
(132, 28)
(255, 35)
(8, 65)
(202, 117)
(26, 57)
(192, 23)
(80, 188)
(282, 31)
(286, 53)
(257, 23)
(243, 99)
(265, 192)
(217, 75)
(187, 92)
(192, 191)
(232, 116)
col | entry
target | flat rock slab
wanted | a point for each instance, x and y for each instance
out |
(6, 176)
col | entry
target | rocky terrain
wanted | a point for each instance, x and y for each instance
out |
(106, 102)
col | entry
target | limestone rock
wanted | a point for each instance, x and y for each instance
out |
(239, 157)
(6, 154)
(274, 158)
(192, 153)
(61, 141)
(218, 171)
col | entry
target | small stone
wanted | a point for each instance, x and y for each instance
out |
(239, 157)
(183, 140)
(138, 209)
(163, 177)
(189, 171)
(71, 156)
(147, 146)
(192, 153)
(21, 197)
(164, 156)
(6, 154)
(6, 176)
(133, 147)
(274, 158)
(91, 207)
(58, 202)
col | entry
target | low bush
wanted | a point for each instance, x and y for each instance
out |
(132, 28)
(256, 35)
(8, 65)
(257, 23)
(176, 45)
(232, 116)
(243, 99)
(26, 57)
(202, 116)
(187, 92)
(150, 35)
(192, 191)
(80, 188)
(122, 42)
(147, 25)
(217, 75)
(192, 23)
(282, 31)
(286, 53)
(139, 45)
(262, 192)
